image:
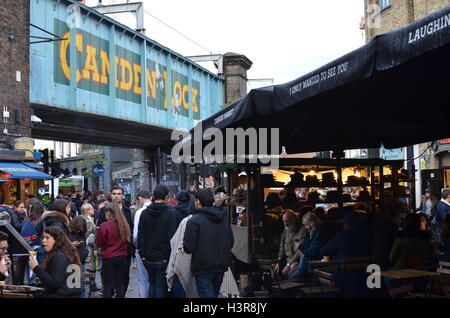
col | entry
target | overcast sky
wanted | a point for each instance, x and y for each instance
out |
(284, 39)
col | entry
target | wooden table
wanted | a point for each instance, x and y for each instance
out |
(9, 291)
(407, 274)
(413, 276)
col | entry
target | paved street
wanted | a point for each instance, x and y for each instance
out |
(132, 291)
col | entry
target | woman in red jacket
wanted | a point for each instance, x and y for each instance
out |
(112, 238)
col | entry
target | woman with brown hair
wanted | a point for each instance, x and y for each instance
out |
(30, 233)
(112, 238)
(56, 216)
(77, 236)
(55, 272)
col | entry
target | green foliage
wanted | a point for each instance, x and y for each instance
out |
(226, 105)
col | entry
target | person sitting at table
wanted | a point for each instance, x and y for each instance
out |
(413, 243)
(289, 256)
(5, 262)
(318, 237)
(384, 233)
(54, 274)
(445, 239)
(353, 241)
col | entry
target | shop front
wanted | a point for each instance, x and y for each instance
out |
(19, 179)
(436, 175)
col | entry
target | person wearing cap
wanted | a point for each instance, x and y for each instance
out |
(145, 199)
(184, 206)
(353, 241)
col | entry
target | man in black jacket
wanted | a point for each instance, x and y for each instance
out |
(117, 197)
(208, 237)
(157, 225)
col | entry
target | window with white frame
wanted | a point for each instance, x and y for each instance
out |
(384, 3)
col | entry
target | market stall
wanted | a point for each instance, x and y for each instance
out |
(260, 195)
(20, 180)
(361, 100)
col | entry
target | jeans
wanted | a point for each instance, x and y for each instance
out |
(208, 285)
(142, 277)
(83, 288)
(157, 282)
(177, 288)
(114, 276)
(301, 271)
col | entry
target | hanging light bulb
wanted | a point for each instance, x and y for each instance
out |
(358, 174)
(312, 172)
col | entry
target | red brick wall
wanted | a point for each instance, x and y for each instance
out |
(14, 56)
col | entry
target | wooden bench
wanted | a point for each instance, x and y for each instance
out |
(14, 295)
(19, 291)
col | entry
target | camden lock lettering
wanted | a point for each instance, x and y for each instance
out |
(94, 68)
(430, 28)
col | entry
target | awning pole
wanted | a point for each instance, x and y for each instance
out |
(338, 154)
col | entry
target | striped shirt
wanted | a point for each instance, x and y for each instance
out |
(180, 265)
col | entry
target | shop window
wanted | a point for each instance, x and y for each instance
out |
(384, 4)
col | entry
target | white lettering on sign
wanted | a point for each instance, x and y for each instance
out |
(17, 169)
(429, 29)
(332, 72)
(223, 116)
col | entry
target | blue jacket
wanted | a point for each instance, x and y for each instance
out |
(311, 248)
(446, 256)
(350, 243)
(442, 210)
(355, 242)
(29, 233)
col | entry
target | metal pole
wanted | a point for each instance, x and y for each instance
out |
(158, 165)
(413, 187)
(52, 160)
(339, 177)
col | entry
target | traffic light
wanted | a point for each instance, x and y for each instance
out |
(45, 158)
(151, 163)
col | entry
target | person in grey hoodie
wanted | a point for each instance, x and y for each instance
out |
(208, 237)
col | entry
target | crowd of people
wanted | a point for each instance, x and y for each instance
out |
(105, 235)
(392, 240)
(183, 248)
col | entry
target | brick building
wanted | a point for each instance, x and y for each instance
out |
(14, 70)
(381, 16)
(393, 14)
(235, 73)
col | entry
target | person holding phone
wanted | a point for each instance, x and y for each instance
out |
(5, 262)
(77, 236)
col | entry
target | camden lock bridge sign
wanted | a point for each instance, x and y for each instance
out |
(124, 88)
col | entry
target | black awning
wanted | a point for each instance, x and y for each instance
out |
(391, 91)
